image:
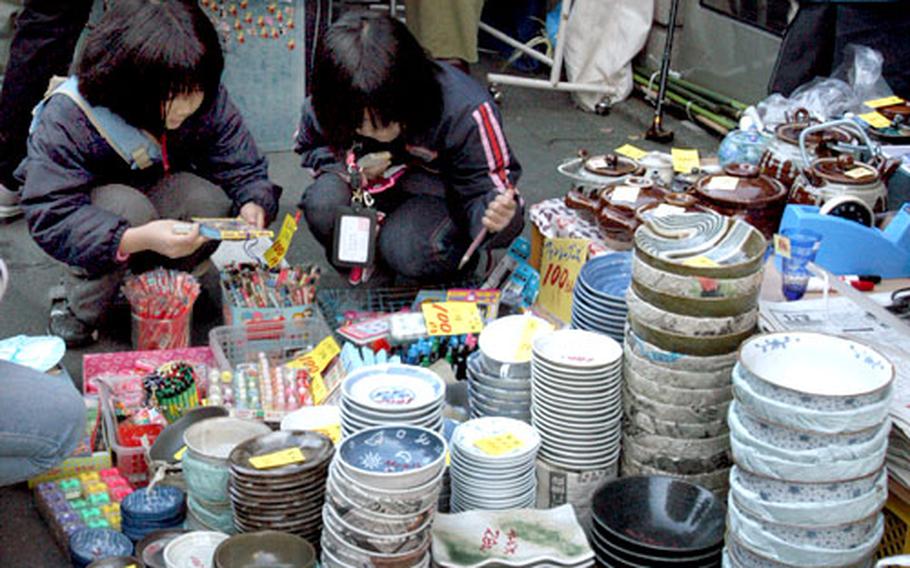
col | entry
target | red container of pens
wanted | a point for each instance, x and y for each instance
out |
(161, 302)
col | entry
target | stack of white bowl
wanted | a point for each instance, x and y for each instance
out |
(381, 496)
(809, 430)
(499, 372)
(576, 392)
(391, 394)
(692, 302)
(492, 465)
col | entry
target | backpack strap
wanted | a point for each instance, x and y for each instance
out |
(137, 147)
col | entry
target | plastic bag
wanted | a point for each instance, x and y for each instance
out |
(857, 79)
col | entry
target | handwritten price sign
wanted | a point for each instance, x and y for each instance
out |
(275, 253)
(560, 263)
(452, 318)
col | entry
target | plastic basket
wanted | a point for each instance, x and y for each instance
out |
(131, 461)
(279, 341)
(334, 302)
(896, 539)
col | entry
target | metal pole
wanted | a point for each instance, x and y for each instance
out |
(656, 132)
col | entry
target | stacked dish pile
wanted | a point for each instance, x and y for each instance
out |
(265, 548)
(391, 394)
(809, 430)
(195, 549)
(693, 300)
(493, 465)
(151, 509)
(271, 493)
(384, 485)
(89, 545)
(657, 521)
(207, 472)
(576, 384)
(499, 372)
(599, 296)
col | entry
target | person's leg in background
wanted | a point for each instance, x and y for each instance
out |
(320, 204)
(42, 46)
(42, 421)
(446, 28)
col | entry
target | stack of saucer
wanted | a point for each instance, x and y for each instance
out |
(381, 500)
(599, 296)
(576, 383)
(493, 465)
(147, 510)
(391, 394)
(285, 497)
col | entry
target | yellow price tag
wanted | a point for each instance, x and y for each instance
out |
(700, 262)
(631, 151)
(178, 455)
(884, 102)
(858, 173)
(782, 246)
(685, 160)
(278, 459)
(452, 318)
(560, 262)
(498, 445)
(318, 388)
(525, 340)
(876, 119)
(276, 253)
(318, 359)
(448, 458)
(333, 431)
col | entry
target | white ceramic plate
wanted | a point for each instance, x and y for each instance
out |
(816, 364)
(391, 387)
(498, 340)
(578, 349)
(467, 434)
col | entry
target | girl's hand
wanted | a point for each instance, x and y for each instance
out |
(166, 237)
(500, 212)
(253, 214)
(375, 164)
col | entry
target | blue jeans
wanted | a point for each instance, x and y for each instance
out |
(42, 420)
(419, 240)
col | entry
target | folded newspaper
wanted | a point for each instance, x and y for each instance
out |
(839, 315)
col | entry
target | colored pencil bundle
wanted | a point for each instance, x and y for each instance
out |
(161, 301)
(250, 285)
(172, 387)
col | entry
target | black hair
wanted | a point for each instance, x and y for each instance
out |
(368, 61)
(143, 53)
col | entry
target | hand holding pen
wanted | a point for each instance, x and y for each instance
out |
(498, 215)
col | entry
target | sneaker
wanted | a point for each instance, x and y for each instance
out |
(360, 275)
(64, 324)
(9, 203)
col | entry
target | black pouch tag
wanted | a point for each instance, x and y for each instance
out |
(355, 237)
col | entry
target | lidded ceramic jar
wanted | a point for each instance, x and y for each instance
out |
(741, 191)
(620, 202)
(782, 158)
(829, 178)
(589, 173)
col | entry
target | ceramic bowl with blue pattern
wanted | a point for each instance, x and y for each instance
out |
(88, 545)
(815, 371)
(393, 456)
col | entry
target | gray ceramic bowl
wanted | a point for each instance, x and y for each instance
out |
(783, 491)
(689, 345)
(667, 316)
(265, 548)
(170, 440)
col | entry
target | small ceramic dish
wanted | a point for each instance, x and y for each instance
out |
(316, 448)
(393, 387)
(675, 378)
(713, 346)
(673, 360)
(193, 549)
(674, 429)
(695, 414)
(476, 370)
(367, 523)
(468, 434)
(799, 440)
(671, 395)
(214, 438)
(266, 548)
(499, 356)
(391, 508)
(693, 326)
(321, 417)
(815, 371)
(605, 278)
(798, 491)
(577, 350)
(350, 408)
(170, 440)
(393, 456)
(368, 542)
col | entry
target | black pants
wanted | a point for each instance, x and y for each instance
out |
(42, 46)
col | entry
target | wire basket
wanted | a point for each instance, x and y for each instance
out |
(896, 539)
(280, 341)
(335, 302)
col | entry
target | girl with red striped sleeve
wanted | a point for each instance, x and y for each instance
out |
(419, 142)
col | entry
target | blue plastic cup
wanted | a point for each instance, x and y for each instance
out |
(804, 245)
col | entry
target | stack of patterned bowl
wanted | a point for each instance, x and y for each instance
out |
(391, 394)
(147, 510)
(383, 488)
(278, 483)
(809, 429)
(692, 302)
(207, 472)
(599, 296)
(499, 372)
(493, 465)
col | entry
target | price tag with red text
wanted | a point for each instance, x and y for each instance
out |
(560, 262)
(452, 318)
